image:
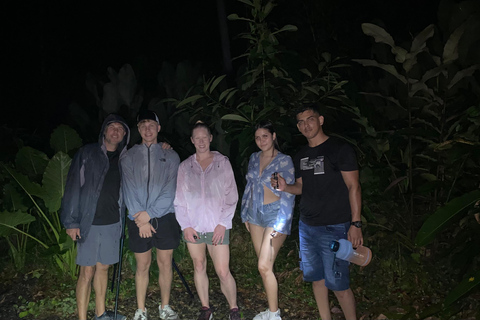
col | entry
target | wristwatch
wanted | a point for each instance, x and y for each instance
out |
(357, 224)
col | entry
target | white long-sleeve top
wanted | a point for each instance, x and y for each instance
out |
(205, 199)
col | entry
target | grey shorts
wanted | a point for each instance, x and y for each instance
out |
(266, 216)
(206, 237)
(101, 245)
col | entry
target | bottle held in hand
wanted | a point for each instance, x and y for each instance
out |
(344, 250)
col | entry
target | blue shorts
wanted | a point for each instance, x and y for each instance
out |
(266, 217)
(317, 260)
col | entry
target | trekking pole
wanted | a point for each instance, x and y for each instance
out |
(113, 277)
(182, 278)
(122, 240)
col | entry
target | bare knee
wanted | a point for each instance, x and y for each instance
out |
(319, 284)
(264, 268)
(343, 294)
(223, 274)
(200, 265)
(86, 274)
(143, 266)
(102, 267)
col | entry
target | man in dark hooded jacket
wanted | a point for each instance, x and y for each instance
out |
(93, 210)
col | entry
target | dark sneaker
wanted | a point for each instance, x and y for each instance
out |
(205, 314)
(109, 315)
(234, 314)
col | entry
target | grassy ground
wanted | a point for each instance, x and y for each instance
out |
(391, 287)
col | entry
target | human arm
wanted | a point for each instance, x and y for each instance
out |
(230, 197)
(162, 191)
(146, 231)
(295, 188)
(70, 214)
(130, 188)
(73, 233)
(283, 221)
(351, 179)
(180, 202)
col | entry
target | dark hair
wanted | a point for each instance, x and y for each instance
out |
(268, 125)
(201, 124)
(308, 106)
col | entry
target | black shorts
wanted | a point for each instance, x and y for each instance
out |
(167, 236)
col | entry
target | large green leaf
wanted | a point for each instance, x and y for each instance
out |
(387, 67)
(54, 180)
(467, 284)
(420, 41)
(234, 117)
(450, 51)
(440, 219)
(378, 33)
(30, 188)
(30, 161)
(462, 74)
(9, 220)
(13, 199)
(65, 139)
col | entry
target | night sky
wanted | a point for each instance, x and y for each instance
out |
(51, 45)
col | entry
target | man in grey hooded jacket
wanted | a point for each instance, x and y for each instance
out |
(93, 210)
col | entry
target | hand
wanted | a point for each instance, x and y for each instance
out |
(280, 181)
(218, 234)
(166, 146)
(247, 225)
(141, 218)
(74, 233)
(355, 236)
(190, 234)
(146, 230)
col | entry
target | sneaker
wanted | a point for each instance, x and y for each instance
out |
(167, 313)
(267, 315)
(109, 315)
(140, 314)
(234, 314)
(205, 314)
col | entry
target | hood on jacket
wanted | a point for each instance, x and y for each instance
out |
(112, 117)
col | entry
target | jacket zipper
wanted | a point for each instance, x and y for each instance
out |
(148, 178)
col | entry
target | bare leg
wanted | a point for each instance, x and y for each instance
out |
(347, 302)
(199, 257)
(100, 281)
(221, 257)
(144, 260)
(267, 249)
(84, 287)
(321, 297)
(164, 261)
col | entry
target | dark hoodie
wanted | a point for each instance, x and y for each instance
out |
(85, 180)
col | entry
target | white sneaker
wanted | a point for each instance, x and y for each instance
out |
(267, 315)
(140, 314)
(167, 313)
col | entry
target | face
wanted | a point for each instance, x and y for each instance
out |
(114, 134)
(264, 139)
(309, 124)
(149, 130)
(201, 139)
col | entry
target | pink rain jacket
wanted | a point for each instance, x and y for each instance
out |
(205, 199)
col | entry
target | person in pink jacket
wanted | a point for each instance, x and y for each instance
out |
(205, 202)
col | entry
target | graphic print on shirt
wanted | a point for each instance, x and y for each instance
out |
(316, 164)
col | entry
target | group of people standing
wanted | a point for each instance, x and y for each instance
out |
(197, 199)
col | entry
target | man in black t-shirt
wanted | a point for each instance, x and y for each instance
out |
(92, 212)
(326, 175)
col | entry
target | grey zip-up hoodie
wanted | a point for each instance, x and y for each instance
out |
(85, 180)
(150, 179)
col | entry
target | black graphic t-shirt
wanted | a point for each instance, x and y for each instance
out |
(324, 198)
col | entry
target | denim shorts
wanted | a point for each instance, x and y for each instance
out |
(318, 261)
(267, 216)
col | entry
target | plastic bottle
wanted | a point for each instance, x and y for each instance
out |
(345, 251)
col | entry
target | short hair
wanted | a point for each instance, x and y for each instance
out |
(308, 106)
(201, 124)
